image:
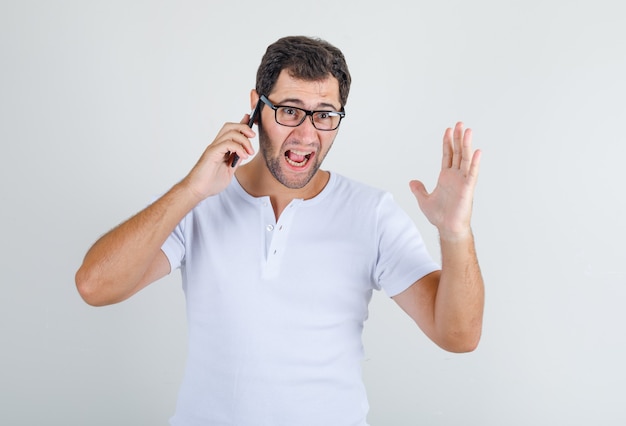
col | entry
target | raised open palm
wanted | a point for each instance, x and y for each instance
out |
(449, 205)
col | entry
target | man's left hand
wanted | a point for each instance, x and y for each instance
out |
(449, 205)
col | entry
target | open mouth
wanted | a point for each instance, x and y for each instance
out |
(297, 158)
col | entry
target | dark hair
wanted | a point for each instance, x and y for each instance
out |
(305, 58)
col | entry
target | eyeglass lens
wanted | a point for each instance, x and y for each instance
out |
(292, 116)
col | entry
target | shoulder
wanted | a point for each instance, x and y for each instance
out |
(355, 190)
(364, 198)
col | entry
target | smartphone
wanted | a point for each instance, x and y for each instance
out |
(253, 114)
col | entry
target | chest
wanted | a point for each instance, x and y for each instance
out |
(307, 260)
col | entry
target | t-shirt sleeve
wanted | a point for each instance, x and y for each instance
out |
(402, 255)
(174, 247)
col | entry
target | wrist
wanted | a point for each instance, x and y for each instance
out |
(455, 236)
(185, 192)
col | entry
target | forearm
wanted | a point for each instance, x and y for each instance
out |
(120, 262)
(460, 296)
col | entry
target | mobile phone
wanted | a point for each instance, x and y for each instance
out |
(253, 115)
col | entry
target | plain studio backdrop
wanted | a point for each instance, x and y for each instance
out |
(105, 104)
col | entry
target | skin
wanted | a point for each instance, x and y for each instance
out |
(447, 305)
(269, 173)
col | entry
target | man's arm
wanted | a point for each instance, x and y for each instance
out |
(448, 304)
(129, 257)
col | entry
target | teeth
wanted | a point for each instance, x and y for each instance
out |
(293, 163)
(305, 154)
(296, 164)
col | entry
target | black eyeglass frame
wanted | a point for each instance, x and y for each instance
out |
(340, 114)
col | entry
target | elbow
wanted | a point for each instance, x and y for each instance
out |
(461, 341)
(463, 347)
(88, 287)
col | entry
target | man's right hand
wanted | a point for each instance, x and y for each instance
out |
(213, 172)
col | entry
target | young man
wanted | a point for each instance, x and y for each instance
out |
(279, 257)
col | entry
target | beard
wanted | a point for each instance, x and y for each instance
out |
(276, 162)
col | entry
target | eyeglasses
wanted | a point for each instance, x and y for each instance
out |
(291, 116)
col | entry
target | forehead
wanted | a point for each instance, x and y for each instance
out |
(310, 92)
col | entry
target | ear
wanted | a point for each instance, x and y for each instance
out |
(254, 98)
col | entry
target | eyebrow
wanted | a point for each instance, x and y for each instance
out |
(299, 103)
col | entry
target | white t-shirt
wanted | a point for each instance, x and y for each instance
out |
(276, 308)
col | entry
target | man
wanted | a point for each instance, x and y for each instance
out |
(279, 257)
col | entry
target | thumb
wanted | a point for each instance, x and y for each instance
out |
(418, 189)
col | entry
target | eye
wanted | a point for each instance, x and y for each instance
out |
(288, 111)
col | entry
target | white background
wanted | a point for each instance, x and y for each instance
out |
(105, 104)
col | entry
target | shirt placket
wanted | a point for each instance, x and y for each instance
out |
(276, 235)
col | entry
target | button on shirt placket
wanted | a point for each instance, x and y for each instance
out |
(276, 234)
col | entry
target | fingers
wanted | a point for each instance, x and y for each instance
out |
(234, 138)
(235, 157)
(446, 159)
(234, 143)
(457, 142)
(457, 150)
(229, 127)
(466, 151)
(475, 166)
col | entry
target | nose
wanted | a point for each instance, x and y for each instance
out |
(306, 132)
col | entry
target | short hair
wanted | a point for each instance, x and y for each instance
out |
(304, 58)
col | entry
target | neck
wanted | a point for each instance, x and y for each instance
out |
(256, 180)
